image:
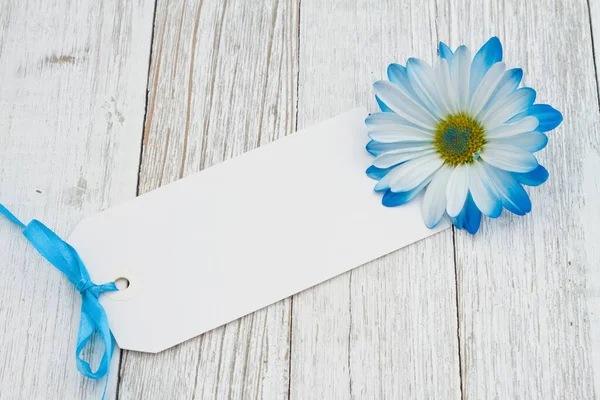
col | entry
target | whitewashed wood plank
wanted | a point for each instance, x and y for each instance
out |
(222, 82)
(387, 329)
(591, 190)
(524, 322)
(72, 99)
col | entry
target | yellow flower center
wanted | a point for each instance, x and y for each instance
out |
(458, 139)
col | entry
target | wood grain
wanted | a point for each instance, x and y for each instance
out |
(523, 311)
(222, 82)
(591, 192)
(72, 100)
(513, 312)
(387, 329)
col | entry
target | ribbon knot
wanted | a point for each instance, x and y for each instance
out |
(84, 285)
(93, 318)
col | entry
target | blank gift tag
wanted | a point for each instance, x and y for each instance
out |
(234, 238)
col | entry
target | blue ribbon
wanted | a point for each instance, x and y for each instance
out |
(93, 318)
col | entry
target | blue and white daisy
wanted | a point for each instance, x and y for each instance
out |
(463, 132)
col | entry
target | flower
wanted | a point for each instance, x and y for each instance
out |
(462, 132)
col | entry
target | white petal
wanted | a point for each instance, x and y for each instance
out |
(444, 84)
(508, 84)
(529, 141)
(527, 124)
(516, 102)
(402, 104)
(378, 148)
(514, 198)
(509, 158)
(398, 75)
(434, 201)
(487, 86)
(410, 174)
(384, 120)
(457, 189)
(483, 191)
(390, 121)
(489, 54)
(394, 157)
(400, 133)
(459, 72)
(422, 79)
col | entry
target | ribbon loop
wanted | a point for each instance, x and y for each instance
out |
(93, 317)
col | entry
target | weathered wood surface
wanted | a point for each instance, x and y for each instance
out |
(591, 191)
(513, 312)
(72, 103)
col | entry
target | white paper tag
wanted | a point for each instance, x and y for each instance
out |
(243, 234)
